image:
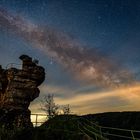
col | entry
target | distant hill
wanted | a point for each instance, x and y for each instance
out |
(124, 120)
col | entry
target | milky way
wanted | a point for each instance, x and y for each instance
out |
(84, 64)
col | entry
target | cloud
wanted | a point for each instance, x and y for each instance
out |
(57, 91)
(125, 98)
(85, 64)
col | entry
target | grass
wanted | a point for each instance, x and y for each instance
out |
(65, 127)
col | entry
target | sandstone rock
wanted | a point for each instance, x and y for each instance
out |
(18, 87)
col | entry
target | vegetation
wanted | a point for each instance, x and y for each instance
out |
(9, 134)
(124, 120)
(62, 127)
(73, 127)
(51, 108)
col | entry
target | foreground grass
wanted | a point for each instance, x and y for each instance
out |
(58, 128)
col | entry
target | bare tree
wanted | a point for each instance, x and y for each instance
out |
(66, 109)
(49, 106)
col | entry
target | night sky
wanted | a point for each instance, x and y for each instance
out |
(89, 48)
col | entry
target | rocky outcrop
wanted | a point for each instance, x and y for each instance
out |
(18, 87)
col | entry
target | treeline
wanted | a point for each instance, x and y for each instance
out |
(124, 120)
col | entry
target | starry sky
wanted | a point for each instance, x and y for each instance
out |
(89, 48)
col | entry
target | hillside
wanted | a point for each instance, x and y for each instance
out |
(72, 127)
(63, 127)
(124, 120)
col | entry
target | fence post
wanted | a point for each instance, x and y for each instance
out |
(96, 137)
(100, 130)
(132, 135)
(36, 119)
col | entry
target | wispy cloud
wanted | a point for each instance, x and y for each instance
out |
(86, 64)
(122, 99)
(125, 98)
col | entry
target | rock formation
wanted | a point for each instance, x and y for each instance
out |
(18, 87)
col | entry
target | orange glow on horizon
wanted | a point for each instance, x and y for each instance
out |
(125, 98)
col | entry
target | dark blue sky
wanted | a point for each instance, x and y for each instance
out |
(106, 24)
(110, 26)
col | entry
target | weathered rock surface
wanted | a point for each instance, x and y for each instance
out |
(18, 87)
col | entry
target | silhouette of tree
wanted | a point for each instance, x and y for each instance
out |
(66, 109)
(49, 106)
